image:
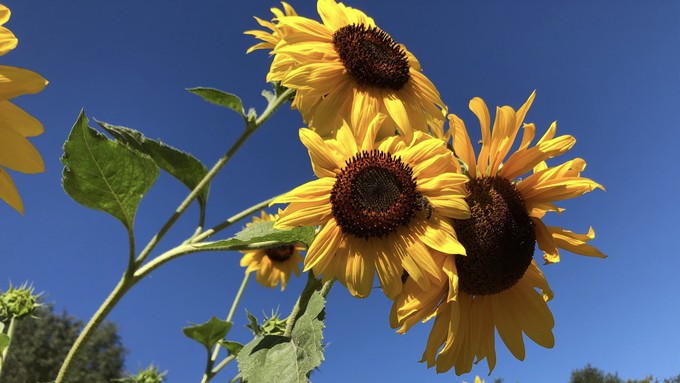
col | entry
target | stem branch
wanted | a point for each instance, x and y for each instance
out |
(123, 286)
(209, 371)
(10, 333)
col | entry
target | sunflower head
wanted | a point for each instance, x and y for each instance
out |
(272, 265)
(497, 285)
(384, 206)
(348, 69)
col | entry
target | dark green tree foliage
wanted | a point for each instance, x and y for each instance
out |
(590, 374)
(41, 344)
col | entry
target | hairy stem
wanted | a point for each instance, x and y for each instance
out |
(209, 371)
(230, 221)
(251, 127)
(123, 286)
(312, 285)
(135, 271)
(10, 333)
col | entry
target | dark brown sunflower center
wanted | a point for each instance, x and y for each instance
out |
(372, 57)
(499, 237)
(373, 195)
(280, 253)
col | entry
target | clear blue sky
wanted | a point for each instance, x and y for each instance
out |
(608, 72)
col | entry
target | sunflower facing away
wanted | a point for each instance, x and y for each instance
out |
(16, 152)
(347, 68)
(274, 264)
(493, 287)
(383, 207)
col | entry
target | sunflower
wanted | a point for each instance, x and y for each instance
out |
(275, 264)
(16, 152)
(495, 285)
(270, 39)
(383, 207)
(347, 68)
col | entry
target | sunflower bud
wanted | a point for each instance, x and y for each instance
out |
(18, 302)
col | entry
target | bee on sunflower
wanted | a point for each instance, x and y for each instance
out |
(369, 201)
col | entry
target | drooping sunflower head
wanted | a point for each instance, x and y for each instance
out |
(497, 285)
(16, 152)
(499, 198)
(348, 69)
(383, 207)
(272, 265)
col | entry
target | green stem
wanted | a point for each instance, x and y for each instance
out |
(222, 364)
(10, 333)
(251, 127)
(209, 371)
(312, 285)
(123, 286)
(238, 297)
(135, 272)
(210, 232)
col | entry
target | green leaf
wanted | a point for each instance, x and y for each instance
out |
(218, 97)
(232, 347)
(105, 175)
(208, 333)
(252, 324)
(4, 342)
(275, 358)
(181, 165)
(262, 235)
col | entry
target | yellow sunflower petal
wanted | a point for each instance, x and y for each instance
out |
(7, 40)
(450, 181)
(359, 268)
(527, 136)
(17, 81)
(479, 108)
(325, 162)
(318, 190)
(332, 15)
(521, 162)
(560, 189)
(509, 330)
(543, 174)
(450, 204)
(388, 266)
(439, 331)
(305, 30)
(462, 144)
(17, 153)
(545, 241)
(16, 118)
(4, 14)
(502, 137)
(535, 277)
(324, 247)
(487, 343)
(450, 270)
(9, 193)
(397, 111)
(438, 234)
(574, 242)
(367, 138)
(529, 311)
(422, 258)
(522, 111)
(303, 214)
